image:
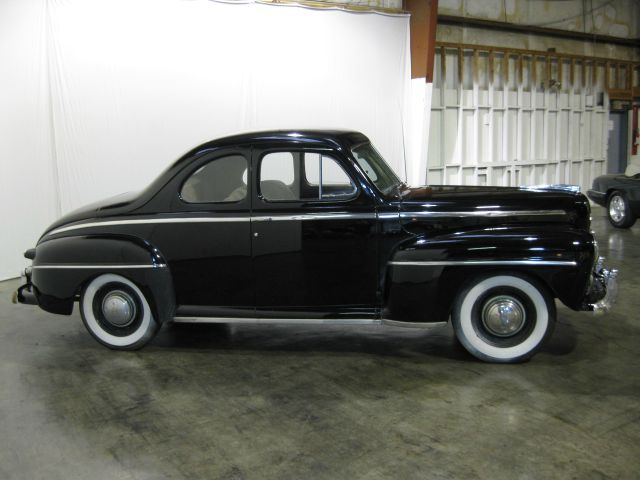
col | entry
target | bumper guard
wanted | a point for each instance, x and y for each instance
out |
(24, 294)
(605, 280)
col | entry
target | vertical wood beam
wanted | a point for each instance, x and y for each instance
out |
(476, 76)
(490, 67)
(520, 72)
(505, 68)
(548, 73)
(424, 15)
(560, 72)
(534, 73)
(572, 75)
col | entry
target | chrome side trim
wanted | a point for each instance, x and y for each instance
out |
(281, 321)
(561, 187)
(308, 321)
(445, 263)
(61, 266)
(485, 213)
(309, 216)
(397, 323)
(315, 216)
(142, 221)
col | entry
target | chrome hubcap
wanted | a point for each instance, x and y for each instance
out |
(503, 316)
(118, 308)
(616, 209)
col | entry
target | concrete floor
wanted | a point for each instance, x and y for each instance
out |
(331, 403)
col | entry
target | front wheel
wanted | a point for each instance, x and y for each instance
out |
(503, 318)
(116, 313)
(619, 212)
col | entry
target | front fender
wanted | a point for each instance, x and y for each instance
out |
(63, 266)
(425, 273)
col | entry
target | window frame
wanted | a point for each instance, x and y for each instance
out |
(342, 163)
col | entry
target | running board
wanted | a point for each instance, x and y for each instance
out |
(308, 321)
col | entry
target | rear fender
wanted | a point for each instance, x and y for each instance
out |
(63, 266)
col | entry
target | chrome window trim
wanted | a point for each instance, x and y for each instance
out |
(445, 263)
(66, 266)
(484, 213)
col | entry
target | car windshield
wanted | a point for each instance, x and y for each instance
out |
(376, 168)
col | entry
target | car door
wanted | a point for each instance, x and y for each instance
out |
(313, 236)
(206, 240)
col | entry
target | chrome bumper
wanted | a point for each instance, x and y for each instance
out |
(25, 294)
(604, 280)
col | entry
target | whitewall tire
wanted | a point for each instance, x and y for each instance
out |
(116, 313)
(503, 318)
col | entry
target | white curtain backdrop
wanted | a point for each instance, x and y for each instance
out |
(98, 96)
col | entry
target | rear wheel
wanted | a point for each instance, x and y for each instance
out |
(503, 318)
(116, 313)
(619, 212)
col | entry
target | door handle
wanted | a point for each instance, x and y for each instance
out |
(256, 234)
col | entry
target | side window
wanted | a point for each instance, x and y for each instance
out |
(277, 177)
(221, 180)
(290, 176)
(326, 173)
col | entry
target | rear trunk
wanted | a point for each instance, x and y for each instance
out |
(118, 204)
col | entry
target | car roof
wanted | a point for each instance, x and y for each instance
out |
(291, 135)
(324, 138)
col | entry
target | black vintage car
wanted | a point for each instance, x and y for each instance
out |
(620, 194)
(314, 227)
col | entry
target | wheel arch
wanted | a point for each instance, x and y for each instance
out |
(427, 273)
(63, 266)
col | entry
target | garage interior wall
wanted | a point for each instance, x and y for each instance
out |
(99, 96)
(502, 118)
(513, 129)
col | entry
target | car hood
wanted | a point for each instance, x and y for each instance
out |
(492, 205)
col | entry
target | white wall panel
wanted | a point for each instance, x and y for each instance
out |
(469, 138)
(28, 196)
(484, 136)
(98, 96)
